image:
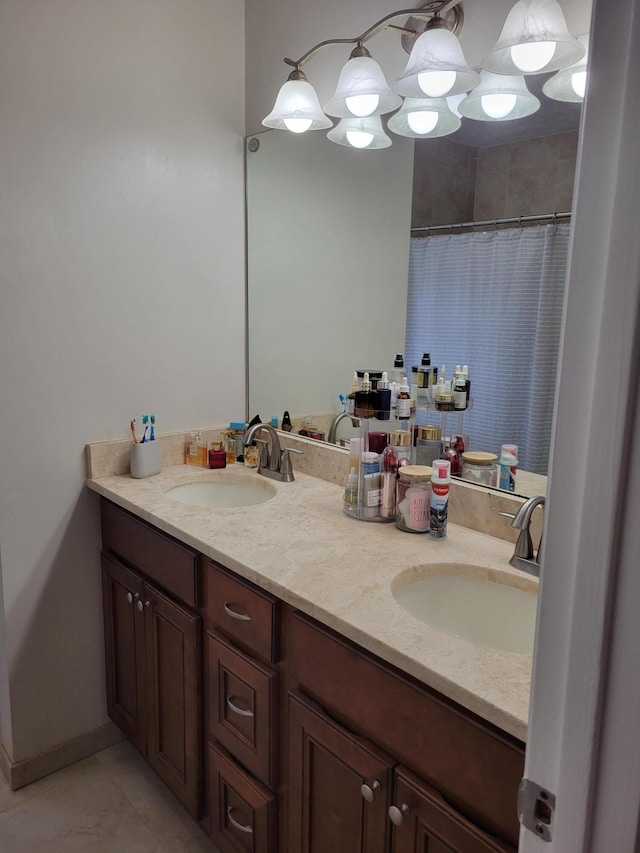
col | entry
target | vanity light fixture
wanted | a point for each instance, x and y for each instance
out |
(436, 65)
(297, 107)
(534, 39)
(362, 89)
(499, 97)
(424, 118)
(570, 83)
(365, 132)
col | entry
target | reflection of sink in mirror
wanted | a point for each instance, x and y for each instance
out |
(222, 493)
(472, 603)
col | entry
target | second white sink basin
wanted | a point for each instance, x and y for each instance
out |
(472, 603)
(222, 493)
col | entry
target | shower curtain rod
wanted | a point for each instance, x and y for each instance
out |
(493, 223)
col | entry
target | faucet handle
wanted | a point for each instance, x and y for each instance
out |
(264, 452)
(286, 468)
(507, 514)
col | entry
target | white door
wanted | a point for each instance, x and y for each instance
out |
(584, 731)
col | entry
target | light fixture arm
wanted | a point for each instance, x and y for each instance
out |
(437, 7)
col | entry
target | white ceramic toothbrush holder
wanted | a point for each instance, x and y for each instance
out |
(146, 459)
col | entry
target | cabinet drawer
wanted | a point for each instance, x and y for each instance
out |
(243, 812)
(475, 767)
(172, 565)
(242, 708)
(243, 612)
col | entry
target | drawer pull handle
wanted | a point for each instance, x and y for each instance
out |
(239, 826)
(397, 815)
(243, 617)
(237, 710)
(369, 791)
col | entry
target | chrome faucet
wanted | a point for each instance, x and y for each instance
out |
(333, 429)
(524, 557)
(275, 462)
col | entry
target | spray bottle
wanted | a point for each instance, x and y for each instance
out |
(440, 480)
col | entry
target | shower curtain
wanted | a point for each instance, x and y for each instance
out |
(493, 300)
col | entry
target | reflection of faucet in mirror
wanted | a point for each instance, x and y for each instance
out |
(524, 557)
(274, 463)
(333, 429)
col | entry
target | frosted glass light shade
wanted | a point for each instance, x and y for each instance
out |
(366, 133)
(362, 90)
(531, 23)
(436, 52)
(297, 109)
(407, 121)
(492, 91)
(569, 83)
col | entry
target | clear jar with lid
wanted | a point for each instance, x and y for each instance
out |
(480, 467)
(413, 498)
(400, 440)
(428, 444)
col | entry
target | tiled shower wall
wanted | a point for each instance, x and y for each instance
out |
(456, 183)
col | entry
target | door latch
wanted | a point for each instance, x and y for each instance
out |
(536, 808)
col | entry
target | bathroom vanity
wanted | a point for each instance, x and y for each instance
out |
(257, 658)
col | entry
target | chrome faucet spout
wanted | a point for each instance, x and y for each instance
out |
(333, 429)
(524, 556)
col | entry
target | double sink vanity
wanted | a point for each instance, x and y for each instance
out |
(303, 681)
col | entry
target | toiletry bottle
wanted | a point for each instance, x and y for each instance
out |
(369, 494)
(191, 448)
(274, 422)
(400, 440)
(229, 446)
(398, 371)
(355, 450)
(351, 489)
(467, 382)
(217, 455)
(388, 483)
(286, 422)
(459, 390)
(383, 402)
(424, 375)
(440, 479)
(364, 399)
(404, 401)
(508, 467)
(237, 429)
(202, 450)
(351, 399)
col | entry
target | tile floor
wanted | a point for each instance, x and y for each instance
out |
(109, 803)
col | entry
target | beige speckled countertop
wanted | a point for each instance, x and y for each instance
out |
(300, 546)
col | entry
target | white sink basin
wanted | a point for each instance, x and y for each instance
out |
(472, 602)
(222, 493)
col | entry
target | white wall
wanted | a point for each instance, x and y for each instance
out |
(122, 292)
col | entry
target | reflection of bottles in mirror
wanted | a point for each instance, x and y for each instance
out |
(453, 455)
(351, 399)
(383, 399)
(365, 399)
(404, 401)
(459, 390)
(424, 376)
(508, 467)
(397, 371)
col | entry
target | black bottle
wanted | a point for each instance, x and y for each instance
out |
(383, 399)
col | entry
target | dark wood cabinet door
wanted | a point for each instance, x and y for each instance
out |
(122, 589)
(328, 765)
(173, 658)
(428, 824)
(242, 810)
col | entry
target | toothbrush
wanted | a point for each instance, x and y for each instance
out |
(343, 402)
(152, 436)
(145, 424)
(132, 427)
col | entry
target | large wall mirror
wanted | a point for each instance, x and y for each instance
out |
(329, 232)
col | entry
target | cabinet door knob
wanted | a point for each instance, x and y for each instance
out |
(369, 792)
(142, 606)
(129, 598)
(239, 826)
(397, 815)
(243, 617)
(244, 712)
